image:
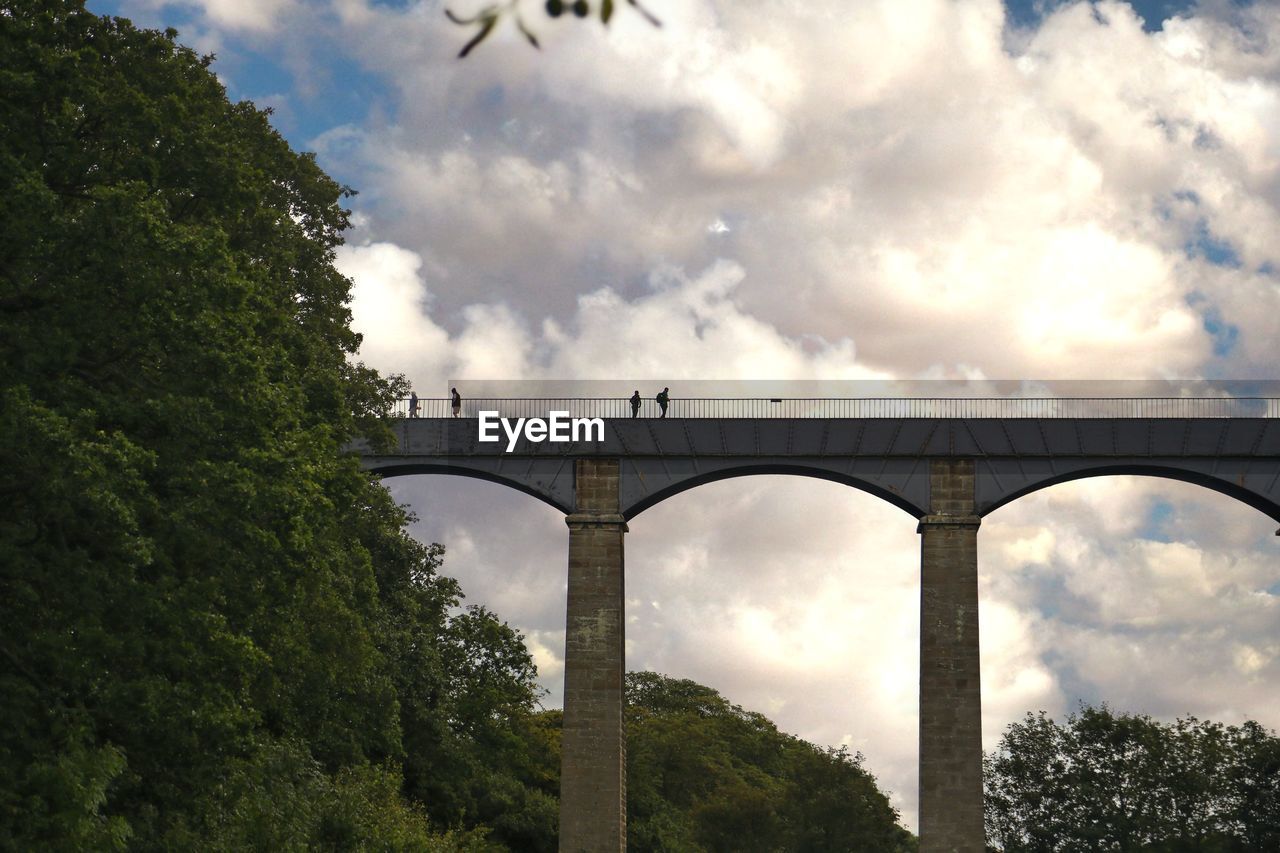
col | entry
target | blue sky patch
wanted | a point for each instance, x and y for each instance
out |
(339, 93)
(1156, 525)
(1205, 244)
(1225, 335)
(1029, 13)
(308, 94)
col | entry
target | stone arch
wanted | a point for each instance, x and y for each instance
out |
(475, 473)
(909, 504)
(1206, 479)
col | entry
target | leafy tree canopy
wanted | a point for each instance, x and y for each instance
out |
(1108, 781)
(705, 775)
(214, 632)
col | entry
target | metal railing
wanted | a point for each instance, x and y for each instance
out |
(858, 407)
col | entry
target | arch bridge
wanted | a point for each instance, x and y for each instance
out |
(946, 461)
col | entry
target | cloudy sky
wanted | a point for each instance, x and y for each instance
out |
(827, 189)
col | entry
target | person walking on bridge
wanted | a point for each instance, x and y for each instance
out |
(663, 398)
(413, 404)
(635, 403)
(457, 402)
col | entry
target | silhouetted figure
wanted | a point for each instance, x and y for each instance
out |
(413, 404)
(457, 402)
(663, 398)
(635, 403)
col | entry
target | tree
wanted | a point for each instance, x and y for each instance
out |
(213, 626)
(1107, 781)
(703, 774)
(477, 753)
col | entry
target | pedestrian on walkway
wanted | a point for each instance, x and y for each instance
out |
(413, 404)
(457, 402)
(635, 403)
(663, 398)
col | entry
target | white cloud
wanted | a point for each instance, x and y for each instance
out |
(1016, 677)
(388, 308)
(236, 15)
(1164, 627)
(891, 174)
(682, 327)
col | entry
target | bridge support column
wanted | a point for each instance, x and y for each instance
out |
(950, 681)
(593, 789)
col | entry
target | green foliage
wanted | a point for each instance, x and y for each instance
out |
(282, 800)
(475, 752)
(1106, 781)
(214, 631)
(705, 775)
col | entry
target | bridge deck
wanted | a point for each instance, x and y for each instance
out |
(886, 456)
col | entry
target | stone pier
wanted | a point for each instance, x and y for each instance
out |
(593, 789)
(950, 682)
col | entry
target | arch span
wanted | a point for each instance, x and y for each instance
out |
(1252, 490)
(905, 499)
(404, 469)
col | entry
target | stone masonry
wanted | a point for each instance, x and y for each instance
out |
(950, 684)
(593, 790)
